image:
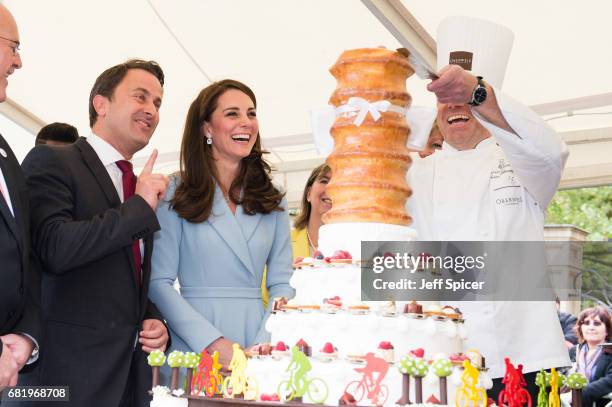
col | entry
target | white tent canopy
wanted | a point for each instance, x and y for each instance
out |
(283, 49)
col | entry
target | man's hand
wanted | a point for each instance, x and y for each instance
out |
(8, 367)
(454, 86)
(154, 335)
(151, 187)
(21, 347)
(225, 349)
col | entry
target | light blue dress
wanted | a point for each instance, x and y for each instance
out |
(219, 265)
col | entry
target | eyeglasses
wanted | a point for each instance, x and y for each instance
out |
(15, 48)
(595, 323)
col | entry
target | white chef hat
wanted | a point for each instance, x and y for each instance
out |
(479, 46)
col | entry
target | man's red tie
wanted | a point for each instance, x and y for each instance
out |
(129, 187)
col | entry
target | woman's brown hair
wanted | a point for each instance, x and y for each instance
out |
(604, 316)
(194, 196)
(301, 221)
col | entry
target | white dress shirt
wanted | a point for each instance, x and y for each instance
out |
(4, 190)
(109, 156)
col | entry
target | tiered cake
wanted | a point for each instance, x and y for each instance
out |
(369, 192)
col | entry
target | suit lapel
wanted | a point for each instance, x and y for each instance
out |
(92, 161)
(226, 225)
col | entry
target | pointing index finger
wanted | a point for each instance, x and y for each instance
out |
(148, 168)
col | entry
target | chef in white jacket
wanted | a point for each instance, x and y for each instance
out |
(499, 167)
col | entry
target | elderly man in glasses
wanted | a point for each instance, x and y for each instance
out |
(19, 280)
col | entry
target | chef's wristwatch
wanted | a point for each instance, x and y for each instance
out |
(479, 94)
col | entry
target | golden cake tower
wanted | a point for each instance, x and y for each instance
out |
(370, 159)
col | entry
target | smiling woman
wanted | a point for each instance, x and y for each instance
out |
(223, 222)
(315, 202)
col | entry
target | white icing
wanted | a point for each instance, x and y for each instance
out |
(163, 398)
(348, 236)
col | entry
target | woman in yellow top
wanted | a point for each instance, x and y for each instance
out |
(315, 202)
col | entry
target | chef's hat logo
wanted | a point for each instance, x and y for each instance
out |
(479, 46)
(461, 58)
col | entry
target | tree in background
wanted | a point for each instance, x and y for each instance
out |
(589, 209)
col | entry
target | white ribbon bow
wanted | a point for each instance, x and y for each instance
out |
(363, 107)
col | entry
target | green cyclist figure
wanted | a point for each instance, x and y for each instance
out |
(298, 384)
(301, 365)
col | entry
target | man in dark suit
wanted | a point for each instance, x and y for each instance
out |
(92, 227)
(19, 281)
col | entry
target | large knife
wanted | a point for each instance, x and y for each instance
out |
(404, 27)
(420, 66)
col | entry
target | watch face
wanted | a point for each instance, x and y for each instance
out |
(480, 95)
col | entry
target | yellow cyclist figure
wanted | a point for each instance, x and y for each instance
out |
(238, 382)
(553, 398)
(469, 380)
(215, 368)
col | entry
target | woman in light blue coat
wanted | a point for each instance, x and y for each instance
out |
(222, 222)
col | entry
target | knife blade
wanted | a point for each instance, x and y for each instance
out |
(420, 66)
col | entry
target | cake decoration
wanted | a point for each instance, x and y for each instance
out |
(542, 383)
(388, 309)
(419, 371)
(386, 351)
(413, 308)
(190, 362)
(553, 396)
(304, 347)
(370, 385)
(576, 382)
(298, 383)
(332, 304)
(280, 350)
(207, 378)
(405, 366)
(156, 359)
(269, 397)
(238, 382)
(328, 352)
(442, 368)
(175, 361)
(469, 393)
(514, 393)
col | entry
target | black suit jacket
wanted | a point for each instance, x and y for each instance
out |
(19, 277)
(93, 306)
(601, 382)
